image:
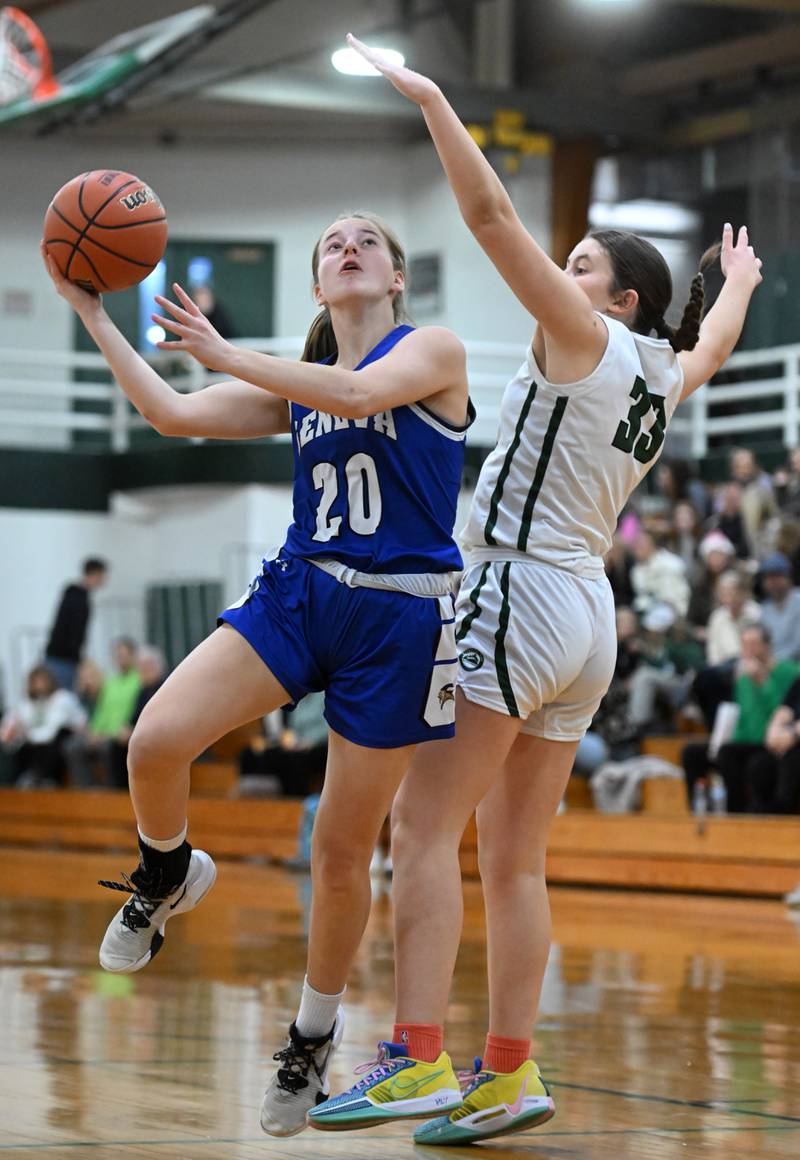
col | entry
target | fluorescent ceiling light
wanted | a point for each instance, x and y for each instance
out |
(645, 216)
(347, 60)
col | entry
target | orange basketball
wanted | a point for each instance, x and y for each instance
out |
(105, 230)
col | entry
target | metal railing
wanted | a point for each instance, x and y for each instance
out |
(43, 404)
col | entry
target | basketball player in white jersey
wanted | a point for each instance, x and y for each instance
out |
(581, 424)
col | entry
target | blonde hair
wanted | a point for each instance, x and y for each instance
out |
(321, 341)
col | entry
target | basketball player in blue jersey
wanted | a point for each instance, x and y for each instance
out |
(581, 424)
(358, 603)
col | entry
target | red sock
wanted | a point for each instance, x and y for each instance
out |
(424, 1041)
(505, 1055)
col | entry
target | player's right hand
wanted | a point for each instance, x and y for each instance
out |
(413, 85)
(79, 299)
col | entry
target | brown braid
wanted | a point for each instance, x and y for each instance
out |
(686, 335)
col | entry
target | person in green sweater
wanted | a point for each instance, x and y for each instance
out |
(761, 686)
(109, 721)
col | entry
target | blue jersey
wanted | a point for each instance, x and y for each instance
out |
(377, 494)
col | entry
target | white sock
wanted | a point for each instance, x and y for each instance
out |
(165, 844)
(317, 1013)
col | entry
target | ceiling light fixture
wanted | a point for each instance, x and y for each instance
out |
(348, 61)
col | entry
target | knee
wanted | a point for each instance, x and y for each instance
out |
(154, 744)
(502, 863)
(421, 836)
(338, 864)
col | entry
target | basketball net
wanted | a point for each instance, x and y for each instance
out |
(26, 69)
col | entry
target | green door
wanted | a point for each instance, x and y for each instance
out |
(240, 275)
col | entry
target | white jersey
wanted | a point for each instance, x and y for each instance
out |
(569, 455)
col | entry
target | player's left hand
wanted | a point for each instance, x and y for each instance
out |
(738, 260)
(196, 335)
(413, 85)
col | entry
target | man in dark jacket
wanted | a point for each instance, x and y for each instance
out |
(67, 636)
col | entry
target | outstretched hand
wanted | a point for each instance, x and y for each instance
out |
(739, 260)
(82, 301)
(415, 86)
(196, 335)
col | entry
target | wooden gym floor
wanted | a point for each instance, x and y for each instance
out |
(668, 1029)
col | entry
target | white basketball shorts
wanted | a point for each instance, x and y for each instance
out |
(536, 642)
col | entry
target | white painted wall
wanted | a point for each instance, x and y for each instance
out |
(149, 537)
(285, 195)
(280, 194)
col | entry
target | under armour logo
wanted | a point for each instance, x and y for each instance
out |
(282, 564)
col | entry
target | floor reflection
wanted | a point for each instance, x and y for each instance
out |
(667, 1024)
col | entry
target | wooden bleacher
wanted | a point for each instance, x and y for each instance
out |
(730, 855)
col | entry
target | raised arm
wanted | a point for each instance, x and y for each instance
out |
(560, 307)
(428, 364)
(233, 410)
(723, 324)
(783, 731)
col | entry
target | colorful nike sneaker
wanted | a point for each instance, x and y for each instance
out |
(395, 1088)
(494, 1104)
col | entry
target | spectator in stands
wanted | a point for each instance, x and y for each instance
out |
(781, 794)
(684, 538)
(786, 485)
(618, 563)
(780, 610)
(758, 501)
(658, 576)
(761, 686)
(723, 639)
(668, 663)
(730, 519)
(716, 554)
(113, 712)
(152, 669)
(676, 480)
(787, 540)
(68, 634)
(213, 309)
(735, 609)
(36, 729)
(612, 721)
(297, 761)
(88, 684)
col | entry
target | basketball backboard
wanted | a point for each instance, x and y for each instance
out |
(110, 74)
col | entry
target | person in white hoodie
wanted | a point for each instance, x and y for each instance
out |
(658, 577)
(735, 610)
(35, 729)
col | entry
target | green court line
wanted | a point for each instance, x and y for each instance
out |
(540, 1135)
(708, 1105)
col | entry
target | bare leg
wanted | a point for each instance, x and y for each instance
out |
(446, 781)
(359, 786)
(513, 823)
(222, 684)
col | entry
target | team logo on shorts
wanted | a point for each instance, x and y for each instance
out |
(446, 694)
(471, 659)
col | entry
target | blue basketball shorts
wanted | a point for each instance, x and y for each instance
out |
(386, 660)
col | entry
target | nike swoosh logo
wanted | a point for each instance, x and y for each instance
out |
(177, 900)
(406, 1088)
(515, 1108)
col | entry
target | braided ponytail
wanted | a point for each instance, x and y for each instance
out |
(688, 332)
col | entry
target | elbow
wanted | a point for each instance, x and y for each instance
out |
(487, 215)
(354, 402)
(163, 424)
